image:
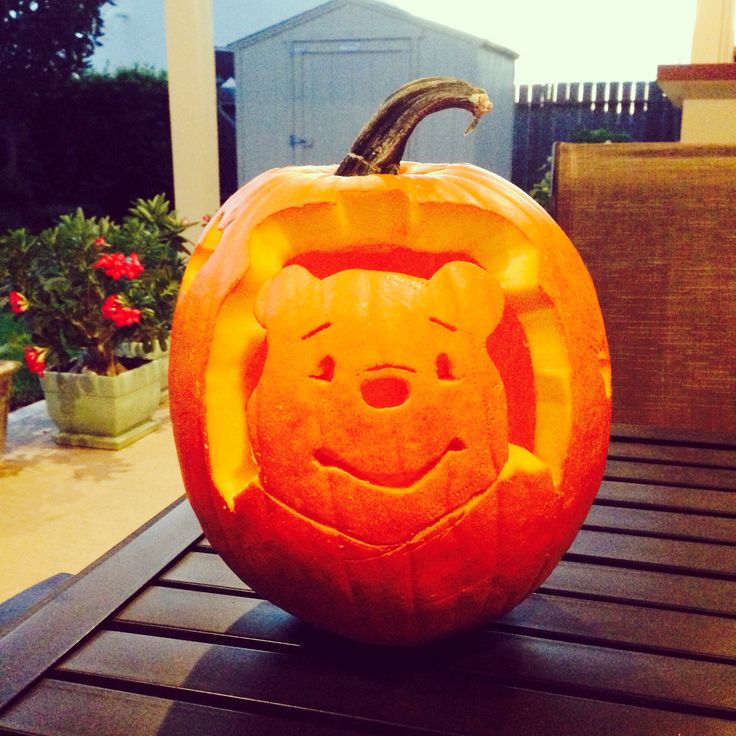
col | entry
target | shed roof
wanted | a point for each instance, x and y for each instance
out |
(379, 7)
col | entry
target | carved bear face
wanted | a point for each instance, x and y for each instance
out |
(378, 411)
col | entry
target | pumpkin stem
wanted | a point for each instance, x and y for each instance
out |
(380, 145)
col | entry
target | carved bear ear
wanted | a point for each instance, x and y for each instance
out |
(284, 293)
(467, 297)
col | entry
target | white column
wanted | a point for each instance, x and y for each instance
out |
(713, 36)
(706, 119)
(193, 107)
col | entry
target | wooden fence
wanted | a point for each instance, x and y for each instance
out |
(546, 113)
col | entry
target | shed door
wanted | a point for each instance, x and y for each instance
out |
(338, 85)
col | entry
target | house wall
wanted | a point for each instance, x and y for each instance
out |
(320, 81)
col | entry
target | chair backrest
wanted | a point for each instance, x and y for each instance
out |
(656, 225)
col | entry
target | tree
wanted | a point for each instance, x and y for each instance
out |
(43, 45)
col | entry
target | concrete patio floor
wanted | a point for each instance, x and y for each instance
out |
(61, 508)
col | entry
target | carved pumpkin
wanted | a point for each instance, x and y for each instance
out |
(390, 391)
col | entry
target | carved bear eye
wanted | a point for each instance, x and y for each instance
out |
(444, 367)
(326, 369)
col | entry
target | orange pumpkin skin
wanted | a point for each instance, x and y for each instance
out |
(390, 395)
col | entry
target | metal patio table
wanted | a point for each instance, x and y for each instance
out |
(633, 633)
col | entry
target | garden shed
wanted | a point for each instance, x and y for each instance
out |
(305, 87)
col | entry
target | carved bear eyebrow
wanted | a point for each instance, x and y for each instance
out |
(313, 332)
(439, 322)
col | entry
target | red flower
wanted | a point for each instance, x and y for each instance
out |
(100, 242)
(117, 310)
(18, 303)
(134, 266)
(36, 359)
(116, 265)
(111, 264)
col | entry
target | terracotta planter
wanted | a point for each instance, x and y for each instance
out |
(7, 368)
(108, 412)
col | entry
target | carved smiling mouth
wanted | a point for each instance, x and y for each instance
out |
(401, 479)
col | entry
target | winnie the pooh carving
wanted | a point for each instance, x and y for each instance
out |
(380, 426)
(390, 385)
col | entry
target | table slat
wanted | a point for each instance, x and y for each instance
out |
(677, 556)
(697, 439)
(356, 685)
(673, 453)
(625, 626)
(203, 568)
(72, 709)
(672, 475)
(579, 619)
(605, 582)
(209, 571)
(668, 497)
(695, 527)
(674, 555)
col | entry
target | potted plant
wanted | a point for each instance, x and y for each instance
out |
(165, 255)
(83, 289)
(7, 368)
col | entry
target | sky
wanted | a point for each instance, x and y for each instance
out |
(557, 40)
(575, 40)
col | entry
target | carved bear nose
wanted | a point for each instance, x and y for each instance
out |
(384, 392)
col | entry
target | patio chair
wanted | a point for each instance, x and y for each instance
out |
(656, 225)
